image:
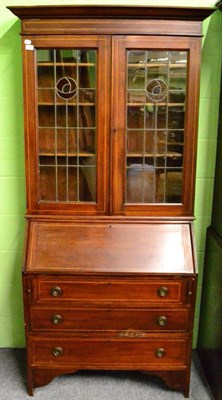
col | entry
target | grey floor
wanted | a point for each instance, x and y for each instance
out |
(93, 385)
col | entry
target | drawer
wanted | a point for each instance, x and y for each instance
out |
(110, 354)
(110, 290)
(61, 319)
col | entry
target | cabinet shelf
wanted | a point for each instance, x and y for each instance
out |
(171, 155)
(64, 104)
(171, 143)
(66, 155)
(156, 104)
(64, 64)
(152, 65)
(128, 104)
(65, 127)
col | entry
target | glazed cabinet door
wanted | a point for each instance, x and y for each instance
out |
(66, 117)
(155, 102)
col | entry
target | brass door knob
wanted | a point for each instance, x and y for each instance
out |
(56, 319)
(57, 351)
(162, 320)
(160, 352)
(56, 291)
(162, 291)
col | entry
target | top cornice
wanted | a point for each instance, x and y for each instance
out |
(111, 12)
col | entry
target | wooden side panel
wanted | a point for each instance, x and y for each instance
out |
(210, 329)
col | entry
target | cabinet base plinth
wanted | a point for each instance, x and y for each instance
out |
(39, 377)
(176, 380)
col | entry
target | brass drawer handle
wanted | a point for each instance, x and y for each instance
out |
(56, 319)
(160, 352)
(56, 291)
(163, 291)
(57, 351)
(162, 320)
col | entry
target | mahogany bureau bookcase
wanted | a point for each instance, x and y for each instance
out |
(111, 110)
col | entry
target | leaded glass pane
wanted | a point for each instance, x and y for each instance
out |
(156, 99)
(135, 142)
(67, 108)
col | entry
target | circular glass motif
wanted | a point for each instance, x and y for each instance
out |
(66, 87)
(156, 90)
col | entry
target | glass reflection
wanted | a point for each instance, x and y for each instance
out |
(140, 184)
(66, 82)
(156, 98)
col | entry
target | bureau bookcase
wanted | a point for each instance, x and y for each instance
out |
(111, 110)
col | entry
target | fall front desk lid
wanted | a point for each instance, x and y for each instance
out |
(116, 248)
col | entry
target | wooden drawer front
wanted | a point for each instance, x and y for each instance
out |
(111, 319)
(110, 290)
(101, 353)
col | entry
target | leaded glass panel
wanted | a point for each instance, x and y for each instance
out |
(155, 123)
(67, 107)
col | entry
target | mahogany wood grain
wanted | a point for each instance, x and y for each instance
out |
(67, 12)
(41, 377)
(121, 322)
(113, 194)
(110, 248)
(88, 26)
(109, 269)
(111, 290)
(176, 380)
(99, 353)
(121, 44)
(34, 205)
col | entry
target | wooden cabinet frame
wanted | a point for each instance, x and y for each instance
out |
(113, 130)
(192, 45)
(108, 260)
(102, 45)
(110, 178)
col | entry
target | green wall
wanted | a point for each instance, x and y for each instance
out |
(207, 137)
(12, 182)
